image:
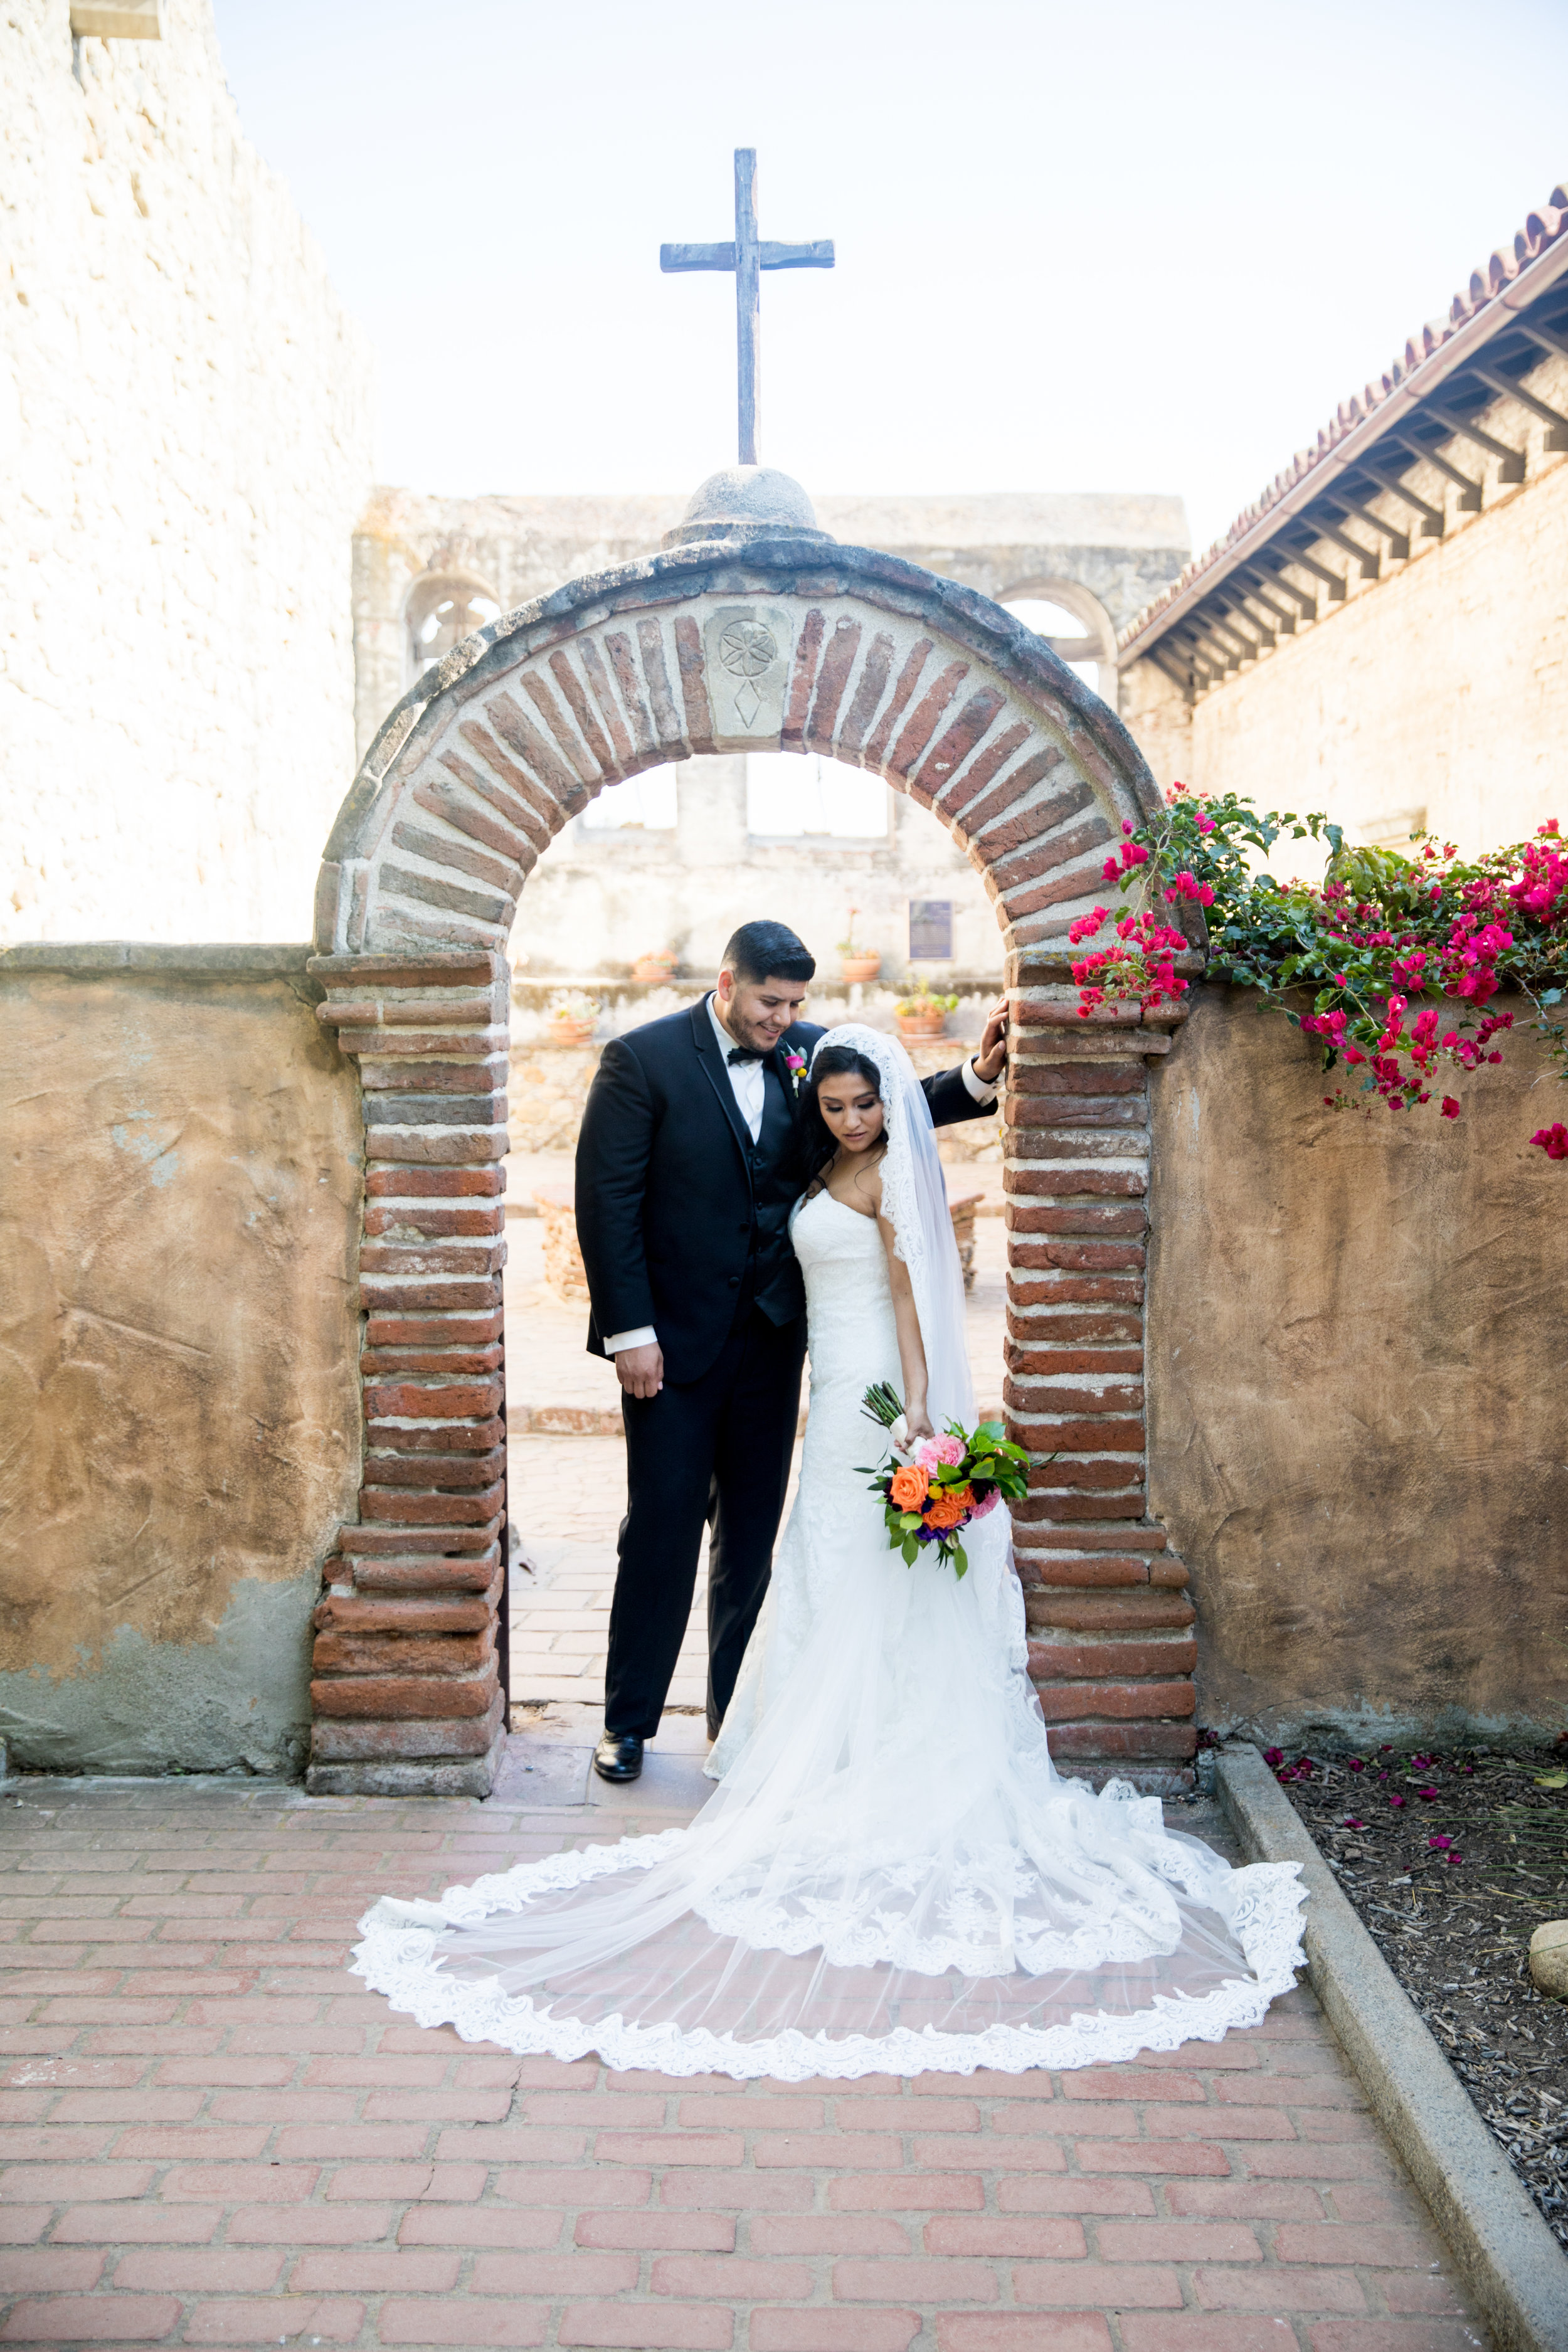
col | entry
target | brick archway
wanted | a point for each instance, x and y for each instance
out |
(778, 642)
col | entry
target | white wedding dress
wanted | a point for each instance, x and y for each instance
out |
(891, 1876)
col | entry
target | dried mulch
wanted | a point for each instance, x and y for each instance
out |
(1452, 1861)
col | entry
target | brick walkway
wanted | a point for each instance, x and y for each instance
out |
(210, 2136)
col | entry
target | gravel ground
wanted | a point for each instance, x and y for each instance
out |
(1454, 1919)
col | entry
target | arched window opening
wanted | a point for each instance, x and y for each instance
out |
(442, 612)
(1083, 640)
(795, 795)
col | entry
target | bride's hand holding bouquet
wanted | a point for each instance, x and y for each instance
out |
(943, 1482)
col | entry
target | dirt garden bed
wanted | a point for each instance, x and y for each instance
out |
(1452, 1861)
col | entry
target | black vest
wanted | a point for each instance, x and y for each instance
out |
(773, 1274)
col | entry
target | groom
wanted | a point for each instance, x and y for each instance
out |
(685, 1183)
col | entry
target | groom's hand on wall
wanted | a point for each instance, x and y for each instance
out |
(640, 1371)
(993, 1053)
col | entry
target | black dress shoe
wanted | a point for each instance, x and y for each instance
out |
(618, 1755)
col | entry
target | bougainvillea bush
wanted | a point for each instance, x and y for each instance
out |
(1390, 962)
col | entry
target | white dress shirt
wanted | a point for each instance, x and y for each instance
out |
(748, 1083)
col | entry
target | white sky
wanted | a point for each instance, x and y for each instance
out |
(1081, 245)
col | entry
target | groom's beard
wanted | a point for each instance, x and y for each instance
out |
(756, 1036)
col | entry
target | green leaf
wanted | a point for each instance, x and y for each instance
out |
(910, 1548)
(960, 1560)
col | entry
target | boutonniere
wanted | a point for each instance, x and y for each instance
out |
(795, 1063)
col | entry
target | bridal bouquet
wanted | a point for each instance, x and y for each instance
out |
(945, 1481)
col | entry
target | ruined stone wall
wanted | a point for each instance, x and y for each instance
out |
(1357, 1421)
(184, 445)
(600, 898)
(179, 1402)
(1441, 687)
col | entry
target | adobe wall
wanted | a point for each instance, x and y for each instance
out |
(1443, 686)
(184, 445)
(1358, 1429)
(179, 1398)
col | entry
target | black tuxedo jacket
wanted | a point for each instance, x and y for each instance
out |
(679, 1215)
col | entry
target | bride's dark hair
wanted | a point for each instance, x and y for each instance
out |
(815, 1145)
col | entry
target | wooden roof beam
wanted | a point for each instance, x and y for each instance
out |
(1368, 558)
(1432, 518)
(1308, 604)
(1283, 618)
(1331, 580)
(1180, 674)
(1510, 462)
(1547, 337)
(1230, 602)
(1398, 541)
(1556, 425)
(1470, 498)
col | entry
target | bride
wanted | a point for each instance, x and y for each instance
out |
(891, 1876)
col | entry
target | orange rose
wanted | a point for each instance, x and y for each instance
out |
(910, 1487)
(949, 1507)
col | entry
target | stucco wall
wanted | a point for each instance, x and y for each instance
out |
(184, 445)
(1357, 1421)
(179, 1414)
(1442, 686)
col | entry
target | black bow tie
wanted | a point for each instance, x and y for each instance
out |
(743, 1054)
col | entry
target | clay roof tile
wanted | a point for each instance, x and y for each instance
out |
(1542, 227)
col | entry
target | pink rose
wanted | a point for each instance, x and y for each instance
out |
(949, 1450)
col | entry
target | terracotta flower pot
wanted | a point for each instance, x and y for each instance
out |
(654, 967)
(571, 1032)
(914, 1027)
(862, 967)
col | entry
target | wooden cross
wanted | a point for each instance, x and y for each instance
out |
(747, 256)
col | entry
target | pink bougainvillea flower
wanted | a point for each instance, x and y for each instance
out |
(1453, 1855)
(1274, 1756)
(1397, 1799)
(1552, 1139)
(1356, 1765)
(1440, 1844)
(1352, 1823)
(1428, 1793)
(1450, 1107)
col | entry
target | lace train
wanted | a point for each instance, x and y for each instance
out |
(398, 1958)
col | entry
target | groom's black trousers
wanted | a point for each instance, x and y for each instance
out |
(715, 1450)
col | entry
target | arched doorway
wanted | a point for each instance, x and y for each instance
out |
(757, 636)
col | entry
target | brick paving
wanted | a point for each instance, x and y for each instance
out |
(209, 2134)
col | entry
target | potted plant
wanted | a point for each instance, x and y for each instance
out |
(572, 1017)
(921, 1014)
(856, 963)
(657, 964)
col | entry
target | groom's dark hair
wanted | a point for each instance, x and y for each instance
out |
(764, 950)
